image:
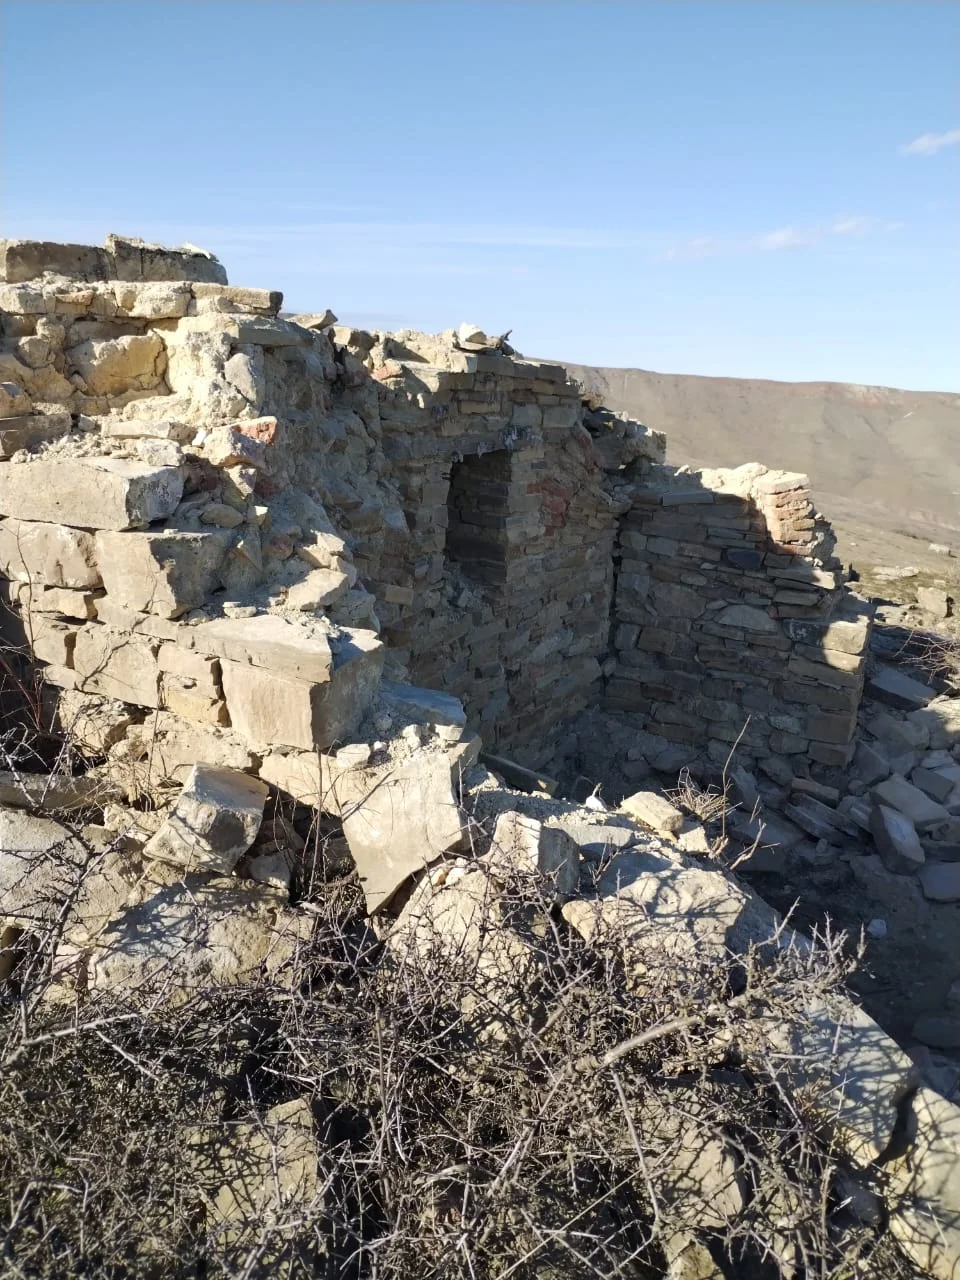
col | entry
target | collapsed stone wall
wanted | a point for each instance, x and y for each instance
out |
(230, 519)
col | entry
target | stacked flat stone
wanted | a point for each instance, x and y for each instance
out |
(732, 623)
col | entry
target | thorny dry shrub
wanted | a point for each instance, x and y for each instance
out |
(571, 1133)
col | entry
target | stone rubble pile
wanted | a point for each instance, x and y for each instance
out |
(262, 562)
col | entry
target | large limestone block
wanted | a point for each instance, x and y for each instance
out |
(924, 1200)
(27, 259)
(213, 823)
(268, 707)
(186, 933)
(896, 839)
(897, 793)
(52, 554)
(849, 1071)
(297, 649)
(657, 907)
(117, 665)
(407, 819)
(111, 366)
(131, 258)
(90, 493)
(162, 300)
(166, 572)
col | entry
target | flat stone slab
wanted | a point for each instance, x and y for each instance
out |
(897, 793)
(90, 493)
(654, 811)
(940, 881)
(407, 819)
(897, 689)
(424, 706)
(941, 720)
(267, 640)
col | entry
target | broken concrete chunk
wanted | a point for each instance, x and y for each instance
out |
(896, 839)
(91, 493)
(653, 811)
(524, 847)
(407, 818)
(166, 572)
(213, 823)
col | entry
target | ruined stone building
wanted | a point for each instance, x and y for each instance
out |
(228, 520)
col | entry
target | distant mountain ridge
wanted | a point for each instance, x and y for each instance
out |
(879, 448)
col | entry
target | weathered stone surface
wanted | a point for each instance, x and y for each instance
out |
(817, 819)
(925, 1206)
(112, 366)
(166, 572)
(407, 818)
(940, 881)
(55, 791)
(52, 554)
(654, 811)
(165, 748)
(896, 839)
(869, 764)
(422, 706)
(185, 933)
(747, 618)
(657, 908)
(543, 855)
(453, 925)
(850, 1072)
(272, 708)
(937, 783)
(92, 493)
(319, 589)
(40, 865)
(941, 720)
(301, 650)
(27, 259)
(898, 793)
(897, 689)
(253, 1175)
(116, 665)
(27, 431)
(214, 821)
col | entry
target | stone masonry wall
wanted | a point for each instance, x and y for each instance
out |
(731, 623)
(229, 520)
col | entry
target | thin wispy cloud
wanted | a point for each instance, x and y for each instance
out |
(779, 240)
(928, 144)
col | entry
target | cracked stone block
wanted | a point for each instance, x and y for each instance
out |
(213, 823)
(90, 493)
(166, 572)
(116, 665)
(53, 554)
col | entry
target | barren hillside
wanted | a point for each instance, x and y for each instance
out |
(888, 455)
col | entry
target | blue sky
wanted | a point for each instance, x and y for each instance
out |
(765, 189)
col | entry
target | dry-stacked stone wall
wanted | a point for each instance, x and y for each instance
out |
(731, 623)
(231, 519)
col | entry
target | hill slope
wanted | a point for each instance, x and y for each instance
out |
(886, 454)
